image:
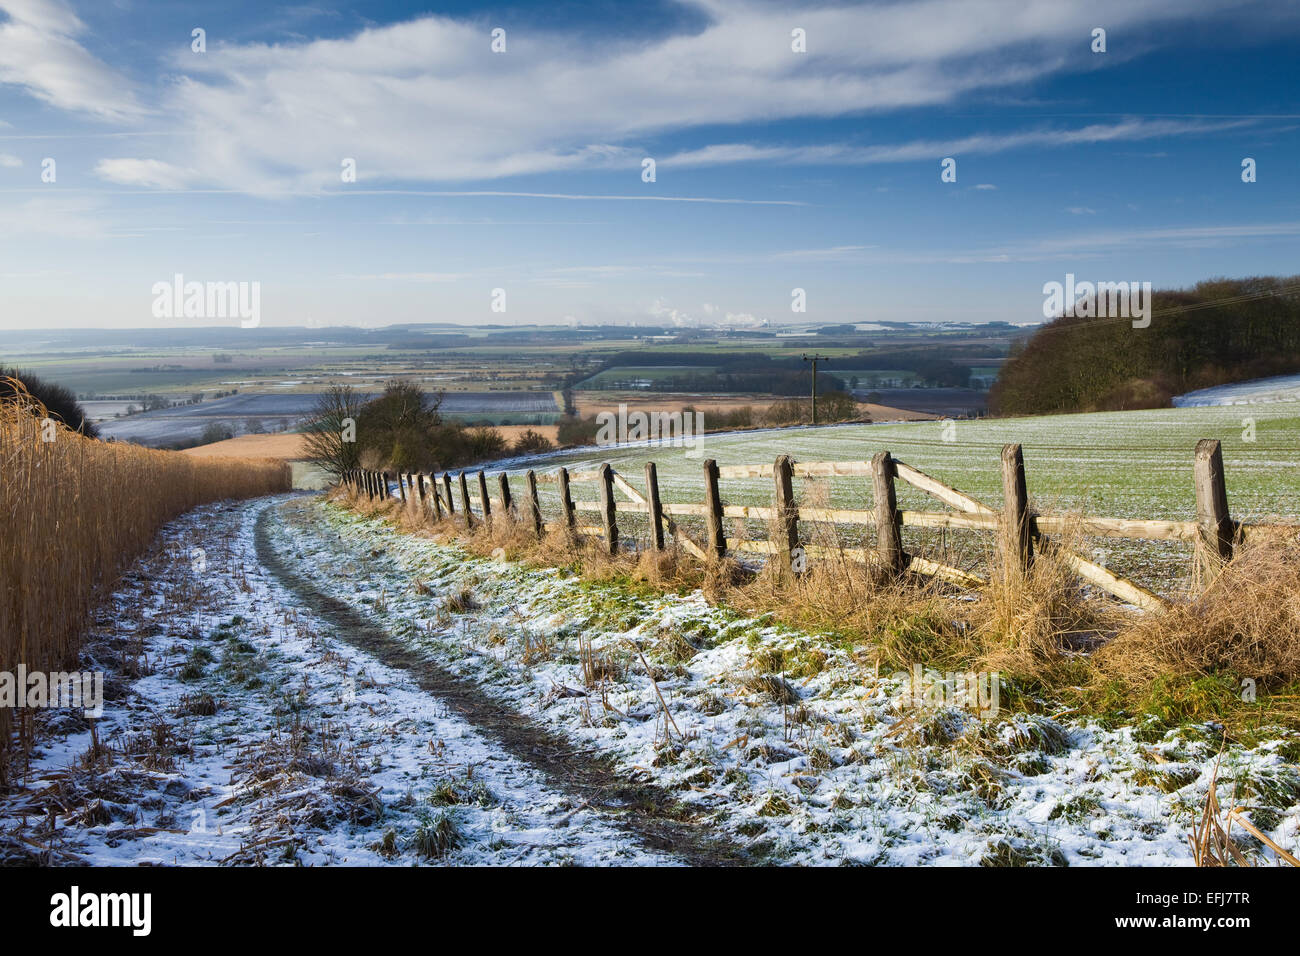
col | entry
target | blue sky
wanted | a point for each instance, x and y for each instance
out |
(522, 170)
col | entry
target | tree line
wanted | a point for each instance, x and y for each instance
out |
(1218, 331)
(402, 429)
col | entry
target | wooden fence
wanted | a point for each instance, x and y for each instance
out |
(1020, 530)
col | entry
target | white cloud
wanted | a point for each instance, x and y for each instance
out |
(39, 51)
(425, 100)
(10, 161)
(979, 143)
(144, 172)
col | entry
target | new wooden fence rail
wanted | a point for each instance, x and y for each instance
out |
(1020, 531)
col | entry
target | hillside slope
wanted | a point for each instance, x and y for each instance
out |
(1220, 331)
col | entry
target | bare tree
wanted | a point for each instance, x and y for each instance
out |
(330, 434)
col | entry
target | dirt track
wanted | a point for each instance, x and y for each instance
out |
(648, 812)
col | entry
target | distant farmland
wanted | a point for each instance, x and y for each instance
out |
(287, 410)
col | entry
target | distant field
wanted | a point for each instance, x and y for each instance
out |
(286, 447)
(288, 409)
(1119, 464)
(612, 377)
(935, 401)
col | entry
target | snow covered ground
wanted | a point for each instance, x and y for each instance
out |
(791, 745)
(1280, 388)
(240, 730)
(244, 724)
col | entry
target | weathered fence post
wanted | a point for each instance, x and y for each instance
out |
(419, 488)
(370, 484)
(451, 499)
(483, 498)
(534, 503)
(716, 546)
(401, 485)
(507, 501)
(464, 500)
(889, 532)
(1017, 540)
(656, 506)
(787, 517)
(1215, 524)
(607, 508)
(566, 500)
(438, 504)
(384, 486)
(435, 501)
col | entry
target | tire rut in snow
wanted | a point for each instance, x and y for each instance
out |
(648, 812)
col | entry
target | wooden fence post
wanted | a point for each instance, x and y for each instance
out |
(483, 498)
(566, 500)
(716, 546)
(370, 485)
(656, 506)
(608, 516)
(787, 530)
(1017, 540)
(889, 533)
(507, 501)
(384, 484)
(435, 503)
(401, 485)
(535, 504)
(464, 500)
(451, 499)
(419, 492)
(1215, 524)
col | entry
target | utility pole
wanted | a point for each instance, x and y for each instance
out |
(814, 358)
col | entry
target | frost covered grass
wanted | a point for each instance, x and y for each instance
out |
(796, 742)
(1115, 464)
(240, 729)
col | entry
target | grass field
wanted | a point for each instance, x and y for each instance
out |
(1116, 464)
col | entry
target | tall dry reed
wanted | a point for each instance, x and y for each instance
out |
(74, 513)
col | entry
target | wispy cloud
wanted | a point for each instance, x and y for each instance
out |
(40, 52)
(271, 118)
(927, 149)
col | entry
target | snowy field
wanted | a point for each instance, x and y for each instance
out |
(1112, 464)
(1281, 388)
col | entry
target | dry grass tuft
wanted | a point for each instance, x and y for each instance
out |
(1245, 624)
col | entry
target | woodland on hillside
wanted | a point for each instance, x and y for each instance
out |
(1219, 331)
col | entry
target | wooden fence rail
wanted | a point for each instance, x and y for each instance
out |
(1021, 532)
